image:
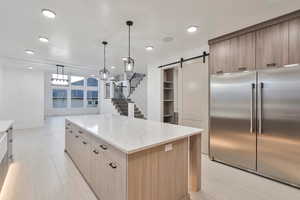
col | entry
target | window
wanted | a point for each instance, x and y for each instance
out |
(77, 98)
(79, 93)
(92, 98)
(92, 82)
(60, 98)
(77, 80)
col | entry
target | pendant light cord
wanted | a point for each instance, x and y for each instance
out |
(129, 43)
(104, 58)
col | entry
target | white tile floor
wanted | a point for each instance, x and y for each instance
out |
(42, 171)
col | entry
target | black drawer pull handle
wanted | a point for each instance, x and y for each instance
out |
(103, 147)
(96, 152)
(70, 131)
(242, 68)
(77, 136)
(220, 72)
(67, 128)
(83, 142)
(10, 140)
(112, 165)
(80, 132)
(68, 124)
(271, 65)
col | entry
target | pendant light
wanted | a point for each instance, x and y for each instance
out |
(104, 73)
(60, 78)
(128, 62)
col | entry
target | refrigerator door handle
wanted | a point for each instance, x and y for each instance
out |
(260, 108)
(251, 107)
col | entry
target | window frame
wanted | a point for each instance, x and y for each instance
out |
(71, 87)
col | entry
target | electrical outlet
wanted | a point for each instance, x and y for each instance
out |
(168, 147)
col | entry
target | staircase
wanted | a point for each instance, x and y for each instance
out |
(122, 106)
(134, 81)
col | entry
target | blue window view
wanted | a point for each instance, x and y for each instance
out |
(77, 80)
(92, 98)
(60, 98)
(92, 82)
(77, 98)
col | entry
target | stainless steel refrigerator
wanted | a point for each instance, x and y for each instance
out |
(255, 122)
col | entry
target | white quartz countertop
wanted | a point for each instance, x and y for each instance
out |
(5, 124)
(132, 135)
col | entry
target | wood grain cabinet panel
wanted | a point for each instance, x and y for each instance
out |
(219, 57)
(246, 52)
(85, 156)
(96, 171)
(151, 173)
(113, 187)
(294, 41)
(233, 55)
(272, 46)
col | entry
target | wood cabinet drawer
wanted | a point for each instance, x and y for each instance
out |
(111, 152)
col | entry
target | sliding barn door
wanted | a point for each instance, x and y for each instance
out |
(193, 97)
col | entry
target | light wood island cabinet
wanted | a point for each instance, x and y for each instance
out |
(122, 165)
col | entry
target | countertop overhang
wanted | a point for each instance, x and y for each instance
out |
(131, 135)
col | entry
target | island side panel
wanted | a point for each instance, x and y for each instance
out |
(156, 174)
(195, 163)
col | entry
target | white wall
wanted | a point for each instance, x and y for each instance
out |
(139, 96)
(23, 100)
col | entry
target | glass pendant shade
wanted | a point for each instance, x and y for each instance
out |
(128, 65)
(104, 74)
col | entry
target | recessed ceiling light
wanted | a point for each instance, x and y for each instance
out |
(113, 67)
(30, 68)
(93, 75)
(43, 39)
(124, 58)
(192, 29)
(48, 13)
(29, 52)
(168, 39)
(149, 48)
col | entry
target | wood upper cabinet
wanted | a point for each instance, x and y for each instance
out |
(219, 54)
(233, 55)
(246, 52)
(272, 46)
(294, 41)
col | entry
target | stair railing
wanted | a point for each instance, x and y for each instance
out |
(134, 81)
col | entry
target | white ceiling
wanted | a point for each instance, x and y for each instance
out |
(80, 26)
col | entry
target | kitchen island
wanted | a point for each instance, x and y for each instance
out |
(134, 159)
